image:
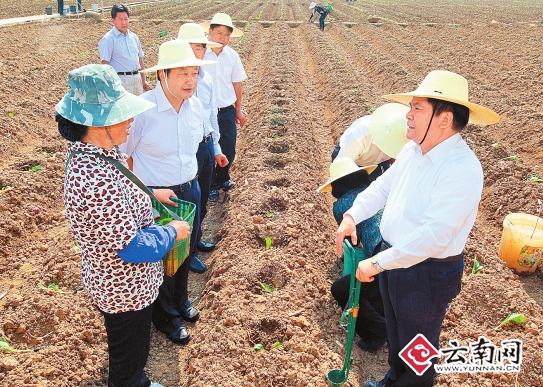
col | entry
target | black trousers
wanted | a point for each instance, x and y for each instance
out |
(206, 168)
(415, 301)
(174, 292)
(128, 340)
(227, 127)
(370, 324)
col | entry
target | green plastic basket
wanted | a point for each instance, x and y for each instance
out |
(180, 251)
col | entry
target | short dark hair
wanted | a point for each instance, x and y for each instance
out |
(167, 71)
(460, 113)
(70, 130)
(117, 8)
(213, 26)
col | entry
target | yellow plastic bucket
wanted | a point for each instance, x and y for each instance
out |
(521, 246)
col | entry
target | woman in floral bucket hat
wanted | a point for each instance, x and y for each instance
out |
(111, 218)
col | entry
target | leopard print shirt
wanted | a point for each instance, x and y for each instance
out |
(105, 209)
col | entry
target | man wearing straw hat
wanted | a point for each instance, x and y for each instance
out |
(121, 48)
(228, 74)
(162, 145)
(209, 150)
(430, 197)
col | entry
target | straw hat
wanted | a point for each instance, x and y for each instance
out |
(97, 98)
(341, 167)
(450, 87)
(194, 33)
(176, 53)
(223, 20)
(388, 128)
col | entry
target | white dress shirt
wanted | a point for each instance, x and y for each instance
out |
(430, 202)
(163, 143)
(122, 51)
(204, 92)
(227, 70)
(356, 144)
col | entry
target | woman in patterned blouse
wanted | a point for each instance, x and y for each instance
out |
(111, 218)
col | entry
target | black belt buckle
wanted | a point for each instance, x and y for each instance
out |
(129, 72)
(206, 139)
(226, 107)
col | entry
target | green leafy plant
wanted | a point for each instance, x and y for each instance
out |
(164, 221)
(5, 188)
(268, 241)
(35, 168)
(535, 178)
(512, 157)
(6, 346)
(277, 344)
(76, 248)
(278, 120)
(268, 214)
(513, 318)
(276, 136)
(267, 288)
(11, 114)
(162, 34)
(52, 287)
(371, 109)
(477, 266)
(258, 347)
(496, 145)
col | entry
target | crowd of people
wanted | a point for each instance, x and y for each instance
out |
(407, 189)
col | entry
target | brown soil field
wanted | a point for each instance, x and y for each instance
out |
(304, 89)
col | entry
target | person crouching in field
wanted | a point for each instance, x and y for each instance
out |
(111, 218)
(429, 198)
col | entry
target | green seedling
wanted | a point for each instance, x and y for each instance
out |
(5, 346)
(268, 241)
(5, 188)
(11, 114)
(162, 34)
(277, 109)
(496, 145)
(513, 318)
(535, 179)
(269, 214)
(35, 168)
(477, 267)
(76, 248)
(258, 347)
(277, 344)
(512, 157)
(371, 110)
(276, 136)
(267, 288)
(278, 121)
(164, 221)
(52, 287)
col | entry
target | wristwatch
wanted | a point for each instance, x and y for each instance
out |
(376, 266)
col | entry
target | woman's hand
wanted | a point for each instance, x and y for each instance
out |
(181, 227)
(164, 194)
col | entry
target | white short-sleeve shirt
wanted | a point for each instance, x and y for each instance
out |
(122, 51)
(227, 70)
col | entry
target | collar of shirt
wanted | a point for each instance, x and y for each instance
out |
(162, 102)
(441, 151)
(118, 33)
(78, 146)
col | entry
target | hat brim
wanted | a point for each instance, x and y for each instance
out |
(327, 187)
(174, 65)
(98, 115)
(478, 114)
(236, 32)
(207, 42)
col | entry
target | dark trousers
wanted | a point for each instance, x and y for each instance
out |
(370, 324)
(227, 127)
(321, 21)
(415, 301)
(128, 340)
(174, 292)
(206, 168)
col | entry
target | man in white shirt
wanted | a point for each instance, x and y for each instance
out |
(228, 74)
(162, 145)
(121, 49)
(430, 197)
(209, 150)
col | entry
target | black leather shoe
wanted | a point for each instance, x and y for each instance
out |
(196, 264)
(214, 195)
(375, 383)
(205, 246)
(228, 184)
(190, 313)
(180, 335)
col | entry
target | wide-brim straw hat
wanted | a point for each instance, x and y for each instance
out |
(176, 53)
(341, 167)
(223, 20)
(388, 128)
(451, 87)
(96, 98)
(194, 33)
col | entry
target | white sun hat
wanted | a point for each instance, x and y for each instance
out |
(388, 128)
(223, 20)
(194, 33)
(176, 53)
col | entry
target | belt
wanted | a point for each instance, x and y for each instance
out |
(226, 107)
(453, 258)
(207, 139)
(129, 72)
(180, 187)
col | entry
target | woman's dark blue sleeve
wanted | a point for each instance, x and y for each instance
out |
(149, 245)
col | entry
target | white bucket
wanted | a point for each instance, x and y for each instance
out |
(95, 7)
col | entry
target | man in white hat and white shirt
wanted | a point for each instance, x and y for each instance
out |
(228, 75)
(121, 48)
(209, 150)
(430, 197)
(162, 145)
